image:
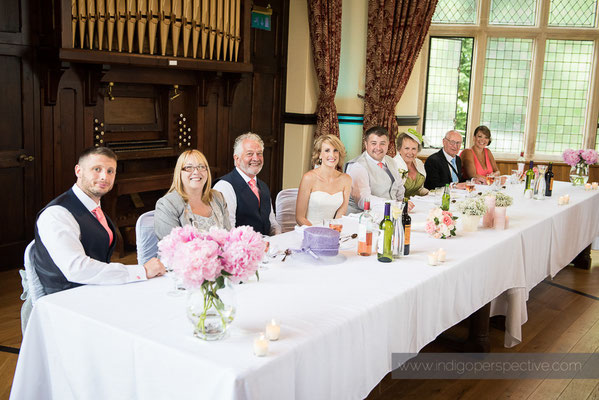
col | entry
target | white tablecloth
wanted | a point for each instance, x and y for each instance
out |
(339, 322)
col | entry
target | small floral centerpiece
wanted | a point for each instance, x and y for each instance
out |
(503, 200)
(207, 262)
(473, 206)
(440, 224)
(580, 160)
(472, 209)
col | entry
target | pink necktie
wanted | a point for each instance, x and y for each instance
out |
(100, 216)
(381, 164)
(254, 188)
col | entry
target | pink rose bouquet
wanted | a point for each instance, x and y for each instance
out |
(440, 224)
(202, 260)
(575, 157)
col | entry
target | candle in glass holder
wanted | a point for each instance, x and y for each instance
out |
(432, 258)
(587, 186)
(260, 346)
(441, 255)
(273, 330)
(595, 185)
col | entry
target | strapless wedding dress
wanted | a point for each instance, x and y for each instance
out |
(323, 206)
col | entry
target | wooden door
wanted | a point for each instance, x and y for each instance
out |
(18, 158)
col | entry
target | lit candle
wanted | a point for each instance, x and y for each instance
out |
(566, 199)
(432, 258)
(587, 186)
(595, 185)
(273, 330)
(260, 346)
(441, 255)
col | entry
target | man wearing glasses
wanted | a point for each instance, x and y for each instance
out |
(445, 165)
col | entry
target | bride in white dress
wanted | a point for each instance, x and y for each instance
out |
(324, 191)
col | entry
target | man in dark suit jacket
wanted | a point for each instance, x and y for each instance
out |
(445, 165)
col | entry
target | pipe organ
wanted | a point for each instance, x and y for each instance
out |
(202, 29)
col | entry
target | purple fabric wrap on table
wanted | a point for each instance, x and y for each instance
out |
(321, 241)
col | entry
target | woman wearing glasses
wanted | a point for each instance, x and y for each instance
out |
(190, 200)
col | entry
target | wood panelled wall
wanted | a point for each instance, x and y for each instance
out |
(51, 109)
(19, 131)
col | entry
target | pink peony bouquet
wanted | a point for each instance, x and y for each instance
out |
(200, 259)
(575, 157)
(440, 224)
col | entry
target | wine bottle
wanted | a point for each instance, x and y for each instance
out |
(365, 231)
(530, 176)
(398, 234)
(406, 221)
(384, 253)
(446, 198)
(549, 180)
(521, 163)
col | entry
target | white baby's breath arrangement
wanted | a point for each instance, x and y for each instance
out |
(503, 200)
(472, 206)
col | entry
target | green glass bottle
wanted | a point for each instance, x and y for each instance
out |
(530, 176)
(446, 198)
(385, 243)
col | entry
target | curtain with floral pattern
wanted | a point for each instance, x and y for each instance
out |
(324, 18)
(396, 32)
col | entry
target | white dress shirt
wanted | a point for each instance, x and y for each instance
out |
(360, 189)
(231, 198)
(59, 232)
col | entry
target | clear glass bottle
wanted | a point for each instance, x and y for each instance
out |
(398, 232)
(365, 227)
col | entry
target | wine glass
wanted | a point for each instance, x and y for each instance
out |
(267, 253)
(470, 186)
(336, 225)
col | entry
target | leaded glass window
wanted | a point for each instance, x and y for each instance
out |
(566, 77)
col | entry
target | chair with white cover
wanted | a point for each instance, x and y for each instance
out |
(146, 240)
(285, 209)
(32, 287)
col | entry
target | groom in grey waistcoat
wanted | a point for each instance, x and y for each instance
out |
(375, 176)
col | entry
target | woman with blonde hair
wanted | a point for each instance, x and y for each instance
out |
(411, 168)
(190, 200)
(324, 191)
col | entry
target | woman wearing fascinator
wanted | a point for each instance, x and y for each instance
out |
(324, 191)
(411, 168)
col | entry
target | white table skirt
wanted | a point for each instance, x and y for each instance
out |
(339, 323)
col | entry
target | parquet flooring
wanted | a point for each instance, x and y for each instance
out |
(559, 321)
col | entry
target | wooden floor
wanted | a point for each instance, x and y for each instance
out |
(563, 317)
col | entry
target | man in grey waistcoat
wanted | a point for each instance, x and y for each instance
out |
(374, 174)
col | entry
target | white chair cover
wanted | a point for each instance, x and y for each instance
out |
(285, 209)
(36, 290)
(145, 238)
(595, 245)
(32, 287)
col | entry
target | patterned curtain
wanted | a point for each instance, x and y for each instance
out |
(396, 32)
(324, 17)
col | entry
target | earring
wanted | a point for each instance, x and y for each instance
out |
(320, 161)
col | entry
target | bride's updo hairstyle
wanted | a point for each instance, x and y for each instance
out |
(333, 141)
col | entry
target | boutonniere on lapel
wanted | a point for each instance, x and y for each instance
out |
(403, 173)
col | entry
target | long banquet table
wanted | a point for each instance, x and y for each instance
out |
(340, 320)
